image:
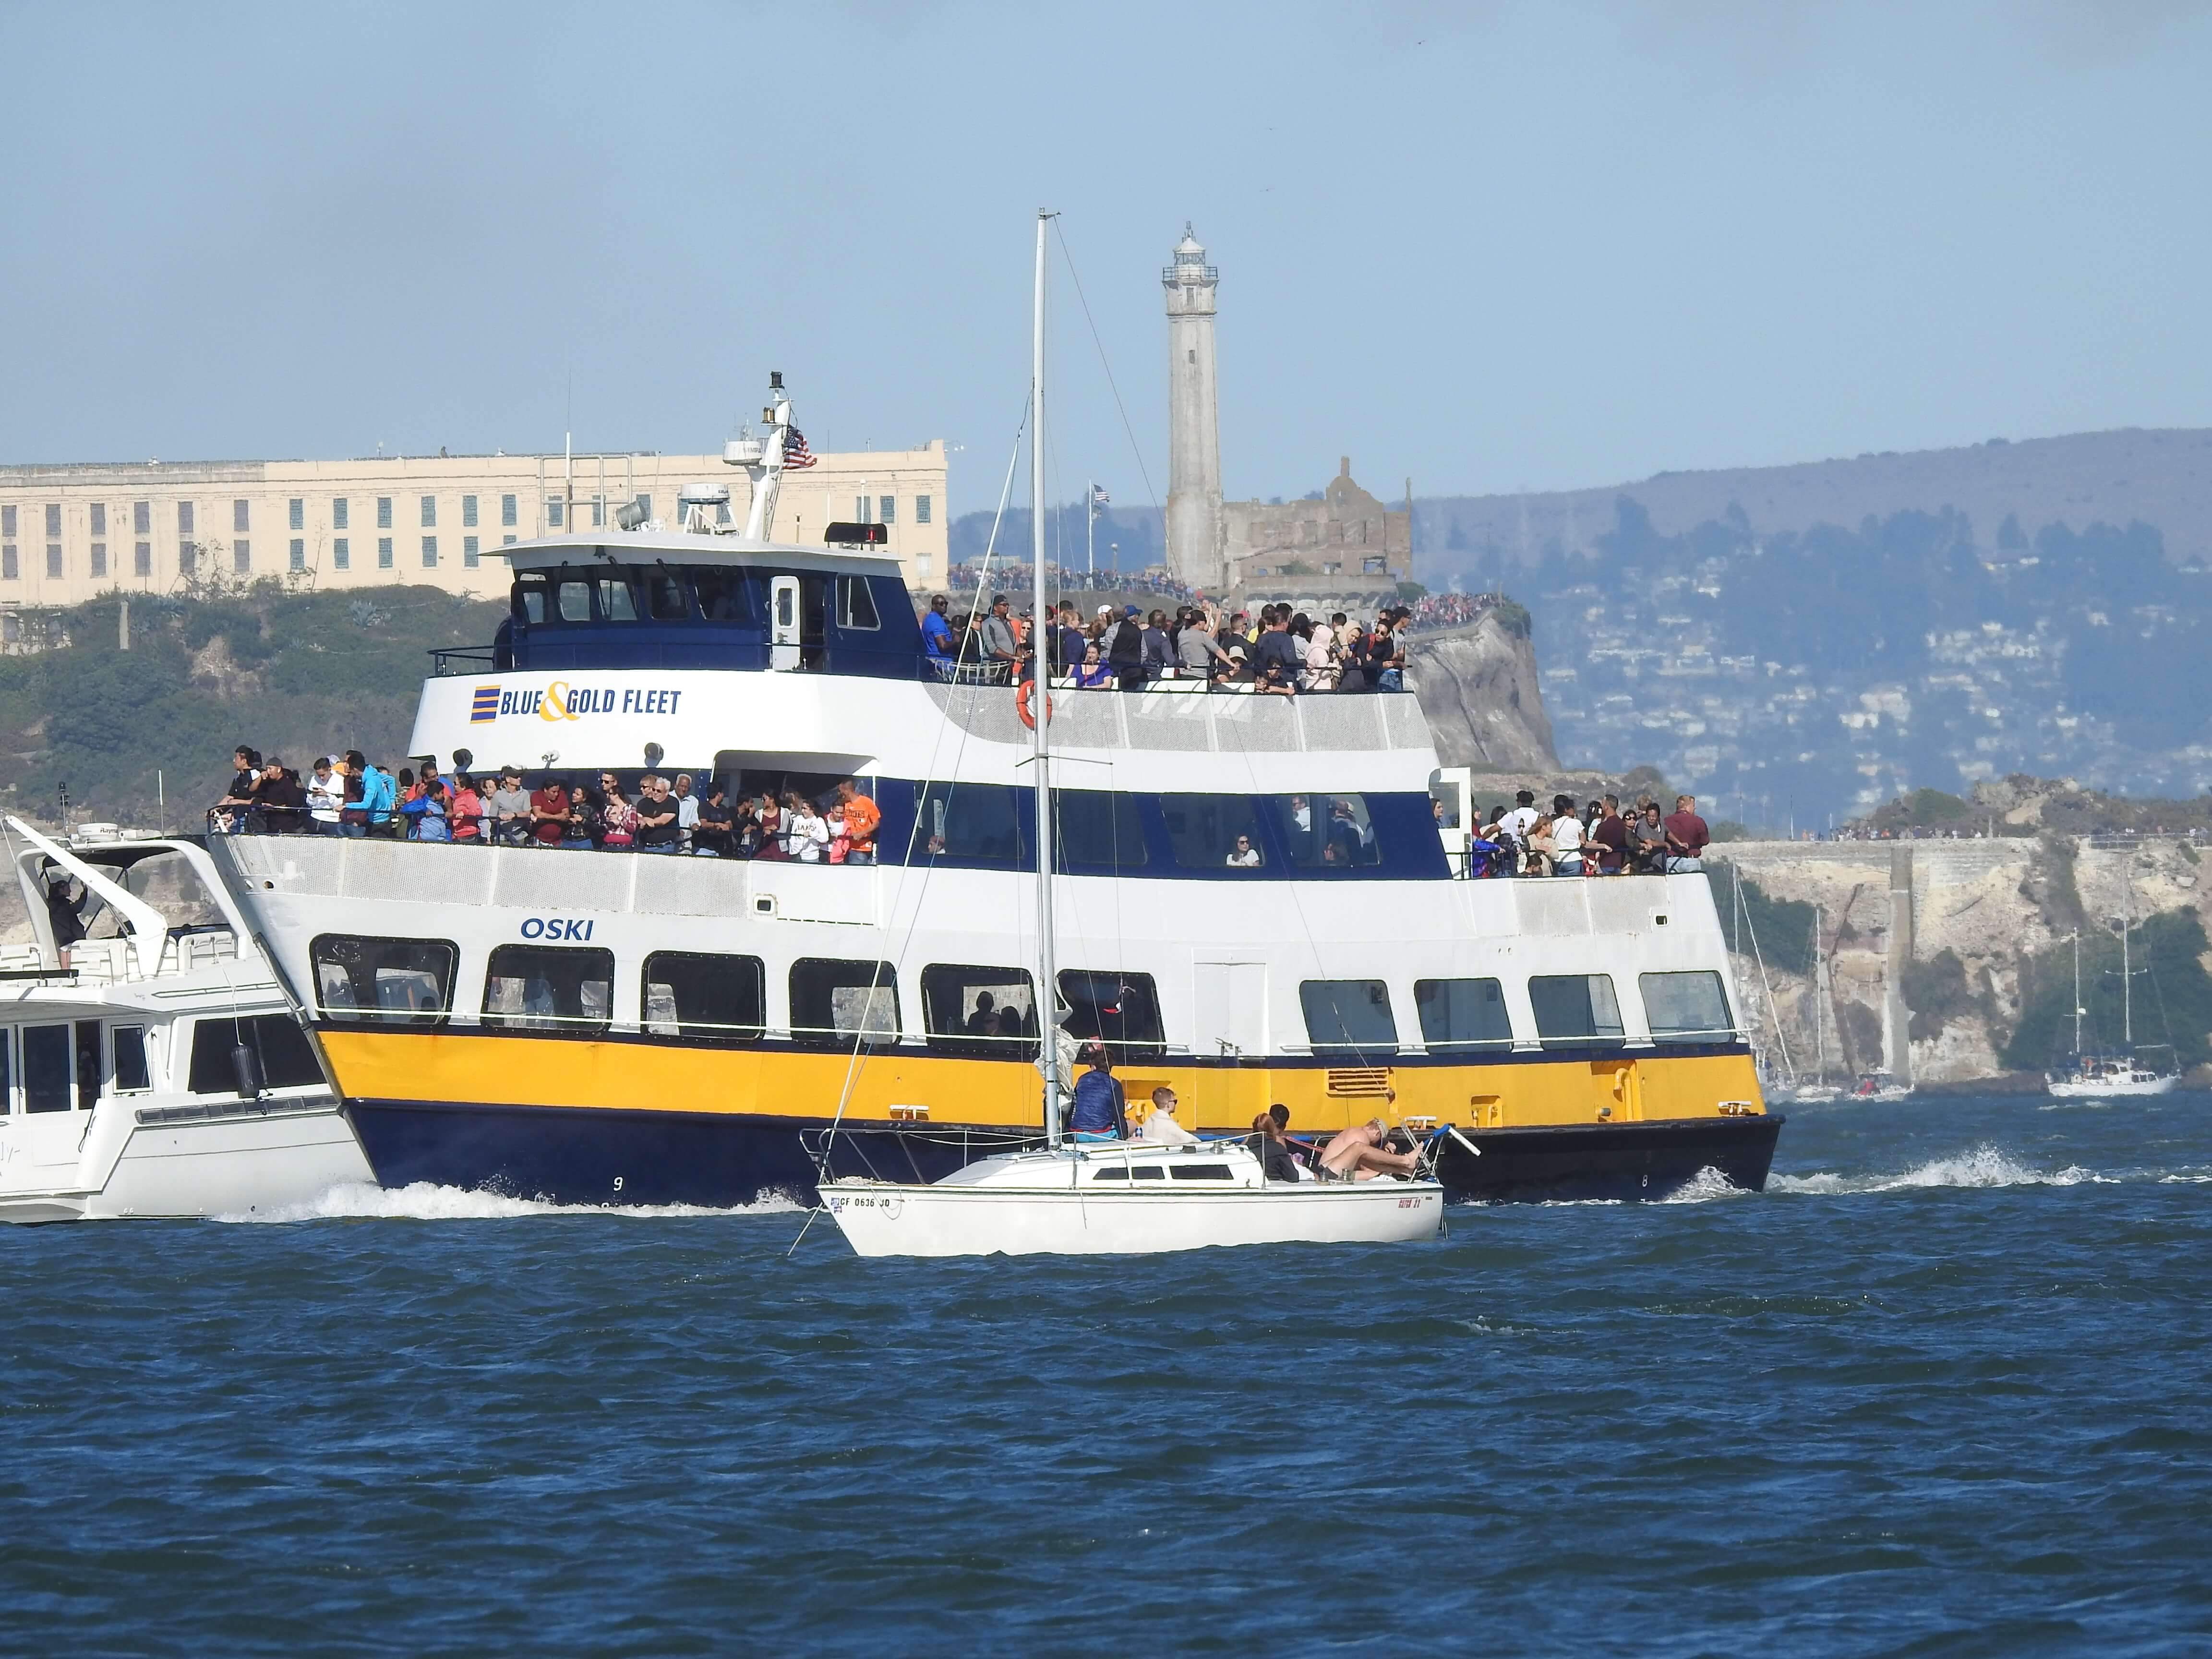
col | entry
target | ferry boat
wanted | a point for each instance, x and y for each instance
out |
(1253, 906)
(149, 1065)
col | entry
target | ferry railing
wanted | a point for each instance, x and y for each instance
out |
(448, 661)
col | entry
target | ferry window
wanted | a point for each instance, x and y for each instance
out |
(721, 594)
(616, 601)
(694, 993)
(1123, 1011)
(979, 1010)
(45, 1068)
(1686, 1007)
(979, 821)
(1574, 1010)
(664, 597)
(383, 981)
(572, 601)
(1097, 827)
(1348, 1016)
(1327, 832)
(1462, 1014)
(856, 606)
(1206, 831)
(545, 987)
(281, 1054)
(133, 1074)
(530, 601)
(840, 1002)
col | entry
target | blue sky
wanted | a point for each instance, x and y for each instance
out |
(1487, 245)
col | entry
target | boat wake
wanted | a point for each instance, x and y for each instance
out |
(1983, 1166)
(359, 1201)
(1703, 1188)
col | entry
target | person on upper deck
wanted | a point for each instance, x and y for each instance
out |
(1609, 839)
(658, 830)
(1687, 838)
(1125, 650)
(1098, 1110)
(1000, 646)
(1093, 674)
(712, 835)
(936, 631)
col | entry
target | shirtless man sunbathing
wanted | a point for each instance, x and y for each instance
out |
(1358, 1154)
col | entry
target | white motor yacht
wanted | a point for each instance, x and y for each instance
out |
(149, 1062)
(2108, 1077)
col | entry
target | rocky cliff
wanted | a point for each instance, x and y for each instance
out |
(1984, 972)
(1478, 687)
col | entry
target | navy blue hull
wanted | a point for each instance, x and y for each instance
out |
(1624, 1161)
(577, 1155)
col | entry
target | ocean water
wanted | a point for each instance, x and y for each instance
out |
(1943, 1389)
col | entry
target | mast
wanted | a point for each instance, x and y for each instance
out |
(2127, 983)
(2077, 996)
(1041, 701)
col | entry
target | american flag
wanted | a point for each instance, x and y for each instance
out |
(796, 454)
(1099, 498)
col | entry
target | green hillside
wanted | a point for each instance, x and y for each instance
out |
(292, 674)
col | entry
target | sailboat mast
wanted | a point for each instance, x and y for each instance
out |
(2077, 995)
(2127, 981)
(1041, 701)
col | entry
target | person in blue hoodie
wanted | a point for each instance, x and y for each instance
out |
(379, 795)
(1099, 1111)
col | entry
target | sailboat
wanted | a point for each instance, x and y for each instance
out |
(1104, 1198)
(1818, 1089)
(2108, 1077)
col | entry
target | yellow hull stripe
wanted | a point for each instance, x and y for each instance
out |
(468, 1069)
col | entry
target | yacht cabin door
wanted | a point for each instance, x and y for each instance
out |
(783, 623)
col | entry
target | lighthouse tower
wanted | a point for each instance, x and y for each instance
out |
(1193, 517)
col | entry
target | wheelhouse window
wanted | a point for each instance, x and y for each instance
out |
(1326, 832)
(980, 822)
(1576, 1011)
(1348, 1016)
(707, 997)
(1120, 1010)
(844, 1003)
(277, 1057)
(549, 987)
(617, 603)
(1213, 832)
(979, 1010)
(856, 605)
(1462, 1015)
(531, 599)
(666, 597)
(722, 594)
(572, 599)
(1686, 1007)
(383, 981)
(1098, 828)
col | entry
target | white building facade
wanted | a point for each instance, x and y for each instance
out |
(70, 533)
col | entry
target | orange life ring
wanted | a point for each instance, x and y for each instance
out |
(1024, 707)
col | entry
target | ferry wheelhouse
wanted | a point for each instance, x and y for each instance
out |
(631, 1028)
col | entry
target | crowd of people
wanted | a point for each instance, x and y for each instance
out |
(349, 795)
(1277, 651)
(1601, 839)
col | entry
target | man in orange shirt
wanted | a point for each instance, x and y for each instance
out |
(862, 816)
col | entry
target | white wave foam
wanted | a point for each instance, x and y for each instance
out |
(1983, 1166)
(1703, 1187)
(358, 1201)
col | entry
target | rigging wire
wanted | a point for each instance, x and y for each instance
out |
(1067, 254)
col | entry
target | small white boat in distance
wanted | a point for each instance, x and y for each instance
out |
(2096, 1077)
(1125, 1198)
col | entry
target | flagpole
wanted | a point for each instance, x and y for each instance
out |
(1091, 531)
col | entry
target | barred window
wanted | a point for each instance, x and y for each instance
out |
(340, 554)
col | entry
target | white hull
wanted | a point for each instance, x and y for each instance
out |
(245, 1162)
(2111, 1088)
(882, 1219)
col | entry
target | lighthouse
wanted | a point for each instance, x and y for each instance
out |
(1194, 516)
